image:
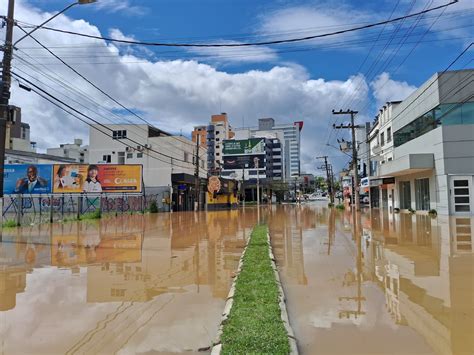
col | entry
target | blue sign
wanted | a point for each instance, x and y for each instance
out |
(27, 179)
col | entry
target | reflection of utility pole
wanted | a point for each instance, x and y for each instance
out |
(331, 228)
(352, 127)
(196, 175)
(359, 298)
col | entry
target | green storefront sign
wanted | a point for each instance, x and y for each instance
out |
(244, 146)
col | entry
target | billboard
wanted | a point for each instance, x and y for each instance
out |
(27, 179)
(242, 161)
(78, 178)
(244, 146)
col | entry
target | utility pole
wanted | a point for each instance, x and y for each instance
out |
(256, 160)
(5, 94)
(352, 127)
(196, 176)
(328, 177)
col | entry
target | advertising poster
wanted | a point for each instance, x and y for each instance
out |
(78, 178)
(27, 179)
(244, 146)
(243, 161)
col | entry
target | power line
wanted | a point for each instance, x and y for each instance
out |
(248, 44)
(52, 97)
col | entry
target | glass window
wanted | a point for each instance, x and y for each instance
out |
(389, 134)
(422, 193)
(129, 155)
(405, 195)
(139, 155)
(121, 157)
(382, 138)
(416, 128)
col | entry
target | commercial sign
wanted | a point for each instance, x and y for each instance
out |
(27, 179)
(77, 178)
(71, 178)
(242, 161)
(244, 146)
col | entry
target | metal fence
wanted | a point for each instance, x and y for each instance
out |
(26, 209)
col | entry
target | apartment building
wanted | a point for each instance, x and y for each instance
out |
(211, 137)
(75, 151)
(289, 135)
(424, 152)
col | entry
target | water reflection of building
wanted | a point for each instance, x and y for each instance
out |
(19, 254)
(287, 240)
(426, 267)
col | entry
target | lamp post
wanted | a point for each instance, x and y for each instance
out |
(256, 160)
(6, 78)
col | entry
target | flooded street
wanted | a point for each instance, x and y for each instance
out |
(131, 284)
(395, 284)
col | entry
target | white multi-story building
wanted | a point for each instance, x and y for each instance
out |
(75, 151)
(431, 164)
(168, 161)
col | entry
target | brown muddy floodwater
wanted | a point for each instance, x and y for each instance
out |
(394, 284)
(126, 285)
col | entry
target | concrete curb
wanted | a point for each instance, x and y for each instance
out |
(217, 344)
(282, 302)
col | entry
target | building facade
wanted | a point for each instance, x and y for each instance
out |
(75, 151)
(290, 140)
(169, 162)
(429, 161)
(211, 137)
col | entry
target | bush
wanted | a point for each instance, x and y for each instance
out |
(396, 210)
(153, 207)
(9, 223)
(411, 210)
(330, 204)
(433, 213)
(341, 207)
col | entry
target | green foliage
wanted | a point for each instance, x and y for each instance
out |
(411, 210)
(330, 204)
(9, 223)
(433, 213)
(341, 207)
(153, 207)
(91, 215)
(254, 325)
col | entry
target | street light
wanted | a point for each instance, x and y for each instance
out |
(79, 2)
(256, 160)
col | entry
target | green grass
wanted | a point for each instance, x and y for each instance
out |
(254, 324)
(9, 223)
(91, 215)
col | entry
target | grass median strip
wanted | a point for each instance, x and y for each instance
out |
(254, 324)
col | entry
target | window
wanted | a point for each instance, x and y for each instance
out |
(186, 156)
(120, 134)
(107, 158)
(217, 154)
(129, 155)
(389, 134)
(139, 155)
(218, 139)
(405, 195)
(422, 193)
(382, 138)
(121, 157)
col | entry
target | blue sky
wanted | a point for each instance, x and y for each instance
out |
(321, 74)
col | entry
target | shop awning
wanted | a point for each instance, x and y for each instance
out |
(407, 164)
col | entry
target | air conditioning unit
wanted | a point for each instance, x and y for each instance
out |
(147, 146)
(140, 148)
(129, 149)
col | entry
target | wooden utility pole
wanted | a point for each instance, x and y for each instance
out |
(352, 127)
(5, 90)
(328, 177)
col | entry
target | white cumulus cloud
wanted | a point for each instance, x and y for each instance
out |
(386, 89)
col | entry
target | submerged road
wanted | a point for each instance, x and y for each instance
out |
(132, 284)
(393, 284)
(373, 284)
